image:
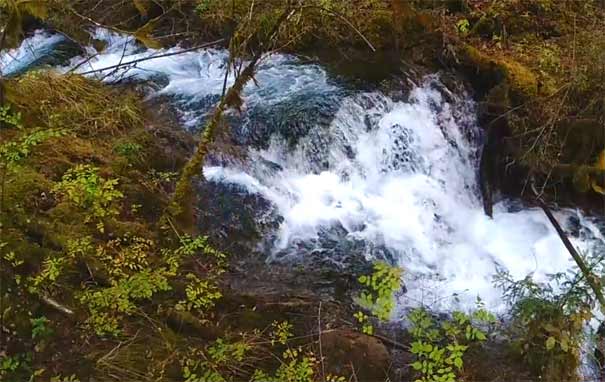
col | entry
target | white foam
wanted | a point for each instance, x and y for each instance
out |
(31, 49)
(195, 76)
(412, 186)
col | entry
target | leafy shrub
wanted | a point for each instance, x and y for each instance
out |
(125, 256)
(296, 366)
(13, 152)
(206, 365)
(83, 187)
(378, 294)
(439, 347)
(108, 306)
(46, 279)
(201, 294)
(547, 327)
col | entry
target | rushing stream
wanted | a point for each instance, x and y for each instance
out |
(355, 172)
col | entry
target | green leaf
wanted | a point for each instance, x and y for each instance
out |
(458, 363)
(550, 343)
(479, 335)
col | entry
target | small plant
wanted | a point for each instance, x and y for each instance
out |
(15, 367)
(108, 306)
(281, 333)
(378, 295)
(46, 279)
(129, 150)
(201, 294)
(125, 256)
(296, 366)
(159, 178)
(40, 329)
(203, 6)
(208, 365)
(83, 187)
(9, 364)
(439, 348)
(463, 26)
(13, 152)
(364, 321)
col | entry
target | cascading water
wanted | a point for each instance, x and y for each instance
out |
(354, 172)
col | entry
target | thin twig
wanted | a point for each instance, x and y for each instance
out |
(153, 57)
(591, 279)
(321, 354)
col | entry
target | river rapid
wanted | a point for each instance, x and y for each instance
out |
(351, 172)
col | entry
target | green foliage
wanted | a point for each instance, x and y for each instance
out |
(203, 6)
(296, 366)
(201, 294)
(439, 347)
(10, 119)
(108, 306)
(60, 378)
(378, 295)
(135, 279)
(13, 152)
(129, 150)
(51, 270)
(15, 367)
(40, 329)
(281, 333)
(548, 321)
(125, 256)
(463, 26)
(83, 187)
(364, 321)
(207, 365)
(9, 364)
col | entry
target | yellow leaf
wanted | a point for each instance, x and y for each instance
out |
(600, 164)
(142, 6)
(597, 188)
(550, 343)
(143, 34)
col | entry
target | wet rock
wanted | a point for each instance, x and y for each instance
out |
(290, 119)
(228, 211)
(347, 349)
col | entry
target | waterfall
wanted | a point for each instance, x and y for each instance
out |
(357, 172)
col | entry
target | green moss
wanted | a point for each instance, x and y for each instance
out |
(521, 79)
